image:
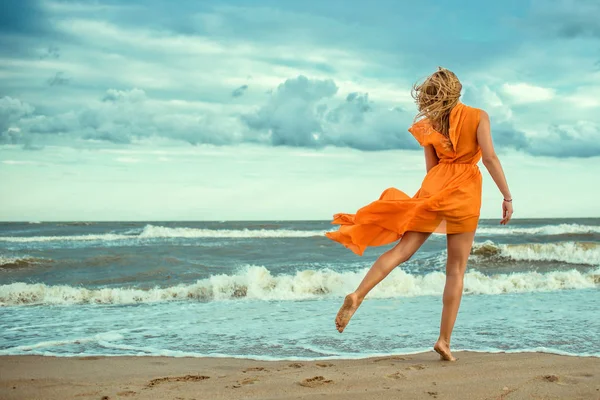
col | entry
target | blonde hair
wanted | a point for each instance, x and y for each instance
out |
(436, 97)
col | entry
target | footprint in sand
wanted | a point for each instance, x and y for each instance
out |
(550, 378)
(416, 367)
(296, 365)
(187, 378)
(433, 394)
(564, 380)
(396, 375)
(315, 381)
(246, 381)
(255, 369)
(127, 393)
(324, 365)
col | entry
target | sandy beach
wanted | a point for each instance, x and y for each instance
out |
(419, 376)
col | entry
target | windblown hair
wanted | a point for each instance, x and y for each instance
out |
(436, 97)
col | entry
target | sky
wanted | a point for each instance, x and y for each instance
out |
(284, 110)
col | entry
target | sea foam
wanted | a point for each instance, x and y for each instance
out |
(258, 283)
(583, 253)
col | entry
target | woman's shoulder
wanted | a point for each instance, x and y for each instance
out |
(477, 113)
(470, 107)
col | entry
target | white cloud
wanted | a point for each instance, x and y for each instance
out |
(18, 162)
(521, 93)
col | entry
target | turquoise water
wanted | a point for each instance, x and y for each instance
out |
(271, 290)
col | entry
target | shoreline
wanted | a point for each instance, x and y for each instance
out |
(542, 351)
(420, 376)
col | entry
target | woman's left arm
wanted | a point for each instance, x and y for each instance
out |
(431, 158)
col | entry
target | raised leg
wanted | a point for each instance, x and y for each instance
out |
(401, 252)
(459, 247)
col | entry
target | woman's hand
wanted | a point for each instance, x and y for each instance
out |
(507, 211)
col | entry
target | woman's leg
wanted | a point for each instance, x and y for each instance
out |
(459, 248)
(401, 252)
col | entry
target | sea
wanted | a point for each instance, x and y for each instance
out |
(270, 290)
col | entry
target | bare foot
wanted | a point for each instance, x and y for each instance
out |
(444, 351)
(348, 309)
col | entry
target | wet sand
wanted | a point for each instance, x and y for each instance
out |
(418, 376)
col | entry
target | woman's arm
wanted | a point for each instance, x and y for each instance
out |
(431, 158)
(492, 164)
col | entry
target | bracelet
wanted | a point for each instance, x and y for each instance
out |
(508, 201)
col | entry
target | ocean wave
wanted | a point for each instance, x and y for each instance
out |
(151, 231)
(19, 261)
(257, 283)
(157, 232)
(582, 253)
(101, 237)
(546, 230)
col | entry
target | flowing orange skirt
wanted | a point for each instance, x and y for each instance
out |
(448, 201)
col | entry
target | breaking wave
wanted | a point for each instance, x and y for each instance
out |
(546, 230)
(257, 283)
(583, 253)
(152, 232)
(19, 261)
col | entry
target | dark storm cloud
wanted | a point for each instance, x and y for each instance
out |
(239, 91)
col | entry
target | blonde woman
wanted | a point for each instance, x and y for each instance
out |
(454, 137)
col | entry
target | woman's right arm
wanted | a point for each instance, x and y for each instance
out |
(492, 164)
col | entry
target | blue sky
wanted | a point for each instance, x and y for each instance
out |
(283, 109)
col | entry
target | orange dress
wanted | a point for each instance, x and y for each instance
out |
(449, 200)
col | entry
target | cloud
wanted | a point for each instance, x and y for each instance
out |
(292, 115)
(361, 124)
(579, 140)
(521, 93)
(11, 113)
(124, 96)
(239, 91)
(50, 52)
(505, 132)
(303, 112)
(121, 116)
(58, 80)
(300, 112)
(357, 95)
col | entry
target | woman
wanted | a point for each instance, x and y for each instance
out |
(454, 137)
